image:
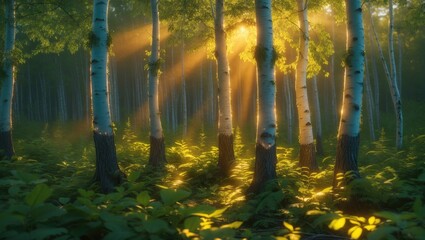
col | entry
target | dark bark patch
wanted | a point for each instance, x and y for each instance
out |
(357, 72)
(6, 145)
(346, 168)
(306, 111)
(355, 39)
(266, 135)
(308, 157)
(157, 152)
(308, 124)
(356, 107)
(108, 174)
(348, 96)
(359, 9)
(264, 170)
(226, 154)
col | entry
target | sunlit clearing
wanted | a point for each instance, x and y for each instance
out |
(128, 42)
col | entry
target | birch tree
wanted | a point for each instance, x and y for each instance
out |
(349, 125)
(7, 79)
(317, 117)
(107, 172)
(265, 56)
(226, 154)
(307, 148)
(157, 146)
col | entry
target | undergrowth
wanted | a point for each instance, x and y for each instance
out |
(46, 193)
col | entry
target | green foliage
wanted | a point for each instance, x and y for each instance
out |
(46, 195)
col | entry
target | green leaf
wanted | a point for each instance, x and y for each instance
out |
(233, 225)
(133, 176)
(192, 223)
(44, 212)
(337, 224)
(288, 226)
(155, 225)
(384, 232)
(171, 196)
(143, 198)
(47, 233)
(38, 195)
(64, 200)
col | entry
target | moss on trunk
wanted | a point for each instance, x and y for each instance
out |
(157, 152)
(108, 174)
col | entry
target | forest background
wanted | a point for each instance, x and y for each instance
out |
(52, 118)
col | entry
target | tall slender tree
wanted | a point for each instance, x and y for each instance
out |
(7, 80)
(157, 146)
(349, 125)
(317, 117)
(107, 172)
(226, 156)
(306, 140)
(265, 56)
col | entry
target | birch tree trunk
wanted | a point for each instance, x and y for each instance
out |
(6, 91)
(157, 146)
(289, 104)
(391, 77)
(369, 102)
(107, 171)
(395, 93)
(349, 125)
(184, 102)
(226, 154)
(306, 140)
(265, 56)
(318, 117)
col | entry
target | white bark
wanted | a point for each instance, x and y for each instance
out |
(304, 115)
(6, 92)
(395, 93)
(392, 81)
(154, 114)
(99, 59)
(266, 91)
(223, 73)
(354, 71)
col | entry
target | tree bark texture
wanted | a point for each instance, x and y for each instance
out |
(349, 125)
(265, 56)
(6, 145)
(225, 127)
(157, 152)
(107, 171)
(304, 115)
(308, 157)
(226, 154)
(318, 117)
(265, 168)
(7, 81)
(346, 159)
(157, 148)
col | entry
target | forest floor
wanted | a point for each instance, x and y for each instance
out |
(46, 193)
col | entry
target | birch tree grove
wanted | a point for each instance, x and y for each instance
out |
(157, 146)
(225, 129)
(265, 56)
(107, 170)
(306, 140)
(7, 80)
(349, 125)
